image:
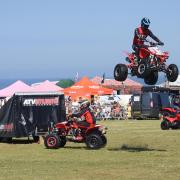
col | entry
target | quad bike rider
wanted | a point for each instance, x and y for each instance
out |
(86, 117)
(140, 35)
(84, 131)
(146, 60)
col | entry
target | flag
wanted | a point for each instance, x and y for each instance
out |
(76, 77)
(103, 79)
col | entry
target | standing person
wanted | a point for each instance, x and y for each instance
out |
(69, 105)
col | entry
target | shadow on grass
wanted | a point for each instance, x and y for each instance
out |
(18, 141)
(135, 148)
(82, 148)
(75, 147)
(68, 147)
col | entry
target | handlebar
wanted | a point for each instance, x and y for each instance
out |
(153, 44)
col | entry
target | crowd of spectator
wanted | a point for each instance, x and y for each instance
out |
(110, 111)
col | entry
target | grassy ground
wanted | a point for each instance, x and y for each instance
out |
(135, 150)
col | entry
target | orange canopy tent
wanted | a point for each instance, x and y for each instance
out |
(85, 88)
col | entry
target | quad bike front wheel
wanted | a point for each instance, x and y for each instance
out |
(165, 125)
(143, 69)
(120, 72)
(172, 73)
(52, 141)
(152, 78)
(94, 141)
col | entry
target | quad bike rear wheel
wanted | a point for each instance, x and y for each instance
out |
(120, 72)
(175, 125)
(152, 78)
(52, 141)
(172, 73)
(94, 141)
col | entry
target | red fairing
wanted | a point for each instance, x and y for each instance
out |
(169, 110)
(171, 119)
(178, 116)
(144, 53)
(61, 125)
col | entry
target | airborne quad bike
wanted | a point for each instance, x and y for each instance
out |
(146, 65)
(60, 133)
(171, 119)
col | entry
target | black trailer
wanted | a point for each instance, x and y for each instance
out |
(150, 102)
(27, 114)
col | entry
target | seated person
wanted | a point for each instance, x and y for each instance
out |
(87, 118)
(85, 114)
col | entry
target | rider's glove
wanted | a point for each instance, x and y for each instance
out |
(152, 43)
(161, 43)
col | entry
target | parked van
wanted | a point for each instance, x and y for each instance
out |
(150, 103)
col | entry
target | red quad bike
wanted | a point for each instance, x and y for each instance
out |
(171, 119)
(62, 132)
(150, 61)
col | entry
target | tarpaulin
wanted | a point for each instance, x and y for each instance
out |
(23, 114)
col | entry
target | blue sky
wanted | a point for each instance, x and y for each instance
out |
(56, 39)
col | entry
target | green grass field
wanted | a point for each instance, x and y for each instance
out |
(135, 150)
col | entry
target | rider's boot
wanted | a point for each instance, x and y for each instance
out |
(151, 60)
(77, 135)
(136, 59)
